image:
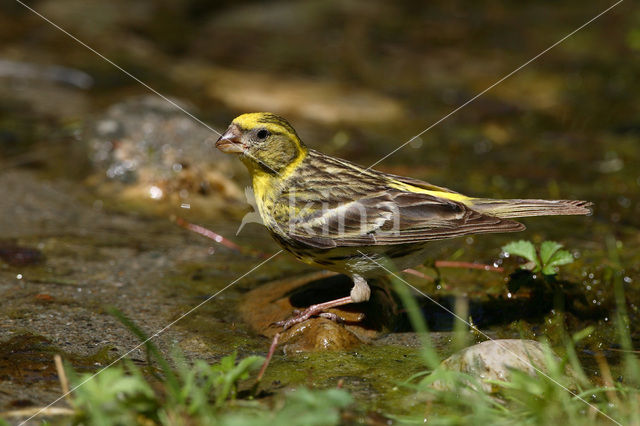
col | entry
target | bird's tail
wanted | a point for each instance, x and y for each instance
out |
(524, 208)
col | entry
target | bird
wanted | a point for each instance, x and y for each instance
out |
(334, 214)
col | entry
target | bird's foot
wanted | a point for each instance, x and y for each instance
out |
(301, 316)
(315, 310)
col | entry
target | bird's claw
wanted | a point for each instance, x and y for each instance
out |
(301, 316)
(331, 316)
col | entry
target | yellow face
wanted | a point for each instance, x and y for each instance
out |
(265, 142)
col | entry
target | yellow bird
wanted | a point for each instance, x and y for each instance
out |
(337, 215)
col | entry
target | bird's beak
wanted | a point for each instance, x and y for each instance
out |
(230, 142)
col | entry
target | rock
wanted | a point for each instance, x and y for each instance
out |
(318, 334)
(277, 300)
(495, 359)
(149, 154)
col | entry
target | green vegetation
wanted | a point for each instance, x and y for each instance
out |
(205, 395)
(548, 398)
(192, 393)
(539, 272)
(178, 391)
(123, 396)
(546, 260)
(561, 392)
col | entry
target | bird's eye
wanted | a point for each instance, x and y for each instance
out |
(262, 133)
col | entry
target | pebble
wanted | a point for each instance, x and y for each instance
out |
(495, 360)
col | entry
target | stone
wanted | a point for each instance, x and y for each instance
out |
(318, 334)
(149, 154)
(495, 360)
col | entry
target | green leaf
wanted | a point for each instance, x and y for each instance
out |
(561, 257)
(115, 396)
(547, 250)
(233, 374)
(523, 249)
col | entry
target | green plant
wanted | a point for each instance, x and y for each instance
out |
(563, 394)
(191, 393)
(122, 395)
(546, 260)
(117, 395)
(205, 389)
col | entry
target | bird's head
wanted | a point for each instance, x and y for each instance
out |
(265, 142)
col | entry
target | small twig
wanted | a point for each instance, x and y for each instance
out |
(467, 265)
(208, 233)
(623, 350)
(38, 411)
(62, 377)
(419, 274)
(216, 237)
(272, 350)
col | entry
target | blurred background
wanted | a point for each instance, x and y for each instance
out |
(357, 79)
(92, 163)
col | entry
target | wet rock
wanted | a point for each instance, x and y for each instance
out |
(318, 334)
(277, 300)
(495, 359)
(149, 154)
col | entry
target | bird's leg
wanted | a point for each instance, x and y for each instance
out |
(359, 293)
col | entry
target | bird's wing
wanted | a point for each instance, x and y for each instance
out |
(419, 183)
(392, 216)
